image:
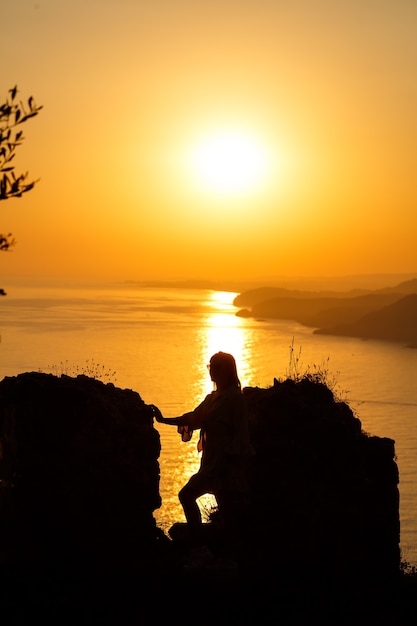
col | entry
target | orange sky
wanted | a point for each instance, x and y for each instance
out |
(128, 87)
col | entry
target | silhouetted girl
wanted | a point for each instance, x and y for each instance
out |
(224, 443)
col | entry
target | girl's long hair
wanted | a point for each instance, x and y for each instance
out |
(227, 363)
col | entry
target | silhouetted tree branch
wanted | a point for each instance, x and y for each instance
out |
(13, 113)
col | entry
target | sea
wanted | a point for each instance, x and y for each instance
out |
(158, 341)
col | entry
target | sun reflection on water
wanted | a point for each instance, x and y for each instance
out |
(220, 330)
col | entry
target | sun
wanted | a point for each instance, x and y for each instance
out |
(229, 162)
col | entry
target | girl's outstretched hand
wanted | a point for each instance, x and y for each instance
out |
(156, 413)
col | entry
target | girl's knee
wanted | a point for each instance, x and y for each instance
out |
(192, 490)
(184, 495)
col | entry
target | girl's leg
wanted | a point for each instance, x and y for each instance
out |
(188, 498)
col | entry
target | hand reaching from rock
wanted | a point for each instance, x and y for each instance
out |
(156, 413)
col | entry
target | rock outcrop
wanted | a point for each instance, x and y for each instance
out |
(80, 481)
(79, 473)
(324, 494)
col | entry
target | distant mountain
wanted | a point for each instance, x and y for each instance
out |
(316, 311)
(351, 310)
(395, 322)
(323, 284)
(408, 286)
(337, 313)
(255, 296)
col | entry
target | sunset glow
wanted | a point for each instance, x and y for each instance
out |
(279, 135)
(224, 331)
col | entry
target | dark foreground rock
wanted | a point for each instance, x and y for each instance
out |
(324, 493)
(316, 538)
(79, 472)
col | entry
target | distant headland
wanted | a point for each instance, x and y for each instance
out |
(341, 306)
(388, 313)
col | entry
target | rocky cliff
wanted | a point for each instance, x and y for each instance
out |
(324, 493)
(80, 477)
(79, 472)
